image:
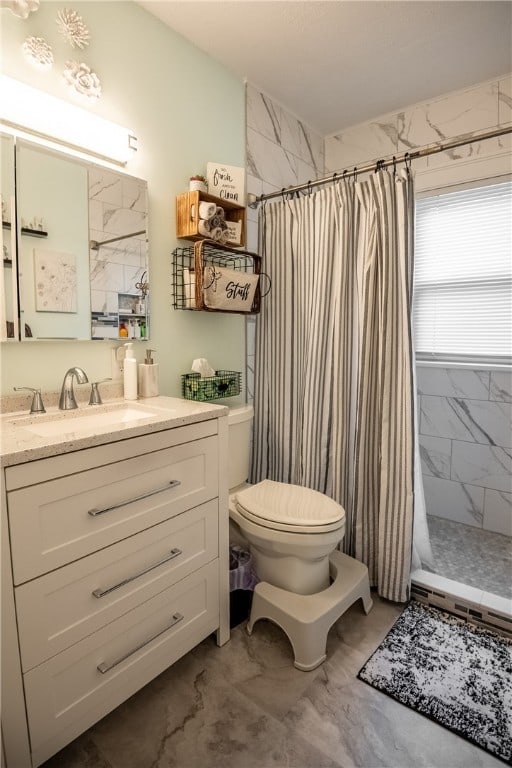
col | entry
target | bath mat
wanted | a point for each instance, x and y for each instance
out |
(456, 674)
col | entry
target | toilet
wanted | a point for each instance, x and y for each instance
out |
(293, 534)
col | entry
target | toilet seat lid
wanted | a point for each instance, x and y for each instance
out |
(287, 507)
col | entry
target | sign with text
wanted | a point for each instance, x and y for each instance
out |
(226, 182)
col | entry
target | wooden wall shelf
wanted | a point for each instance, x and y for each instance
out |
(187, 215)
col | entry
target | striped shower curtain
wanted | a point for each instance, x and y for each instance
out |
(333, 385)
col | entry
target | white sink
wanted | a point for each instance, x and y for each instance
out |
(78, 421)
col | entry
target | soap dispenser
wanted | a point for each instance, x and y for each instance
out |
(148, 376)
(130, 373)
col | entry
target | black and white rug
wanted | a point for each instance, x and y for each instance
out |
(454, 673)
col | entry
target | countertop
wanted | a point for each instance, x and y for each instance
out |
(20, 445)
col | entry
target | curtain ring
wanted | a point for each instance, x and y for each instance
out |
(407, 159)
(355, 172)
(309, 188)
(334, 177)
(394, 165)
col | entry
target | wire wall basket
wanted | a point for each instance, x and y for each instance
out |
(211, 277)
(223, 384)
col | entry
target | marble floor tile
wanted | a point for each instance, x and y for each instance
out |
(245, 706)
(260, 666)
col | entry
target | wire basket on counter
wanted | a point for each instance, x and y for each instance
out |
(223, 384)
(216, 278)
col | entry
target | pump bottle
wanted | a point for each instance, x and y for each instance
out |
(130, 373)
(148, 376)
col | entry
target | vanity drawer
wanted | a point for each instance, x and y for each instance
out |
(68, 693)
(59, 521)
(64, 606)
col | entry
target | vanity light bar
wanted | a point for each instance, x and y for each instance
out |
(61, 123)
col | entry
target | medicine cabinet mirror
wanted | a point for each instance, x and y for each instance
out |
(75, 247)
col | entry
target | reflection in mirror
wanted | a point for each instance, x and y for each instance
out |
(118, 254)
(81, 249)
(8, 285)
(53, 250)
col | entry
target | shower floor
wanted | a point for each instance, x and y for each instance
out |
(471, 556)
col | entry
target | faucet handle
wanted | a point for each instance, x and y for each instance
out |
(37, 401)
(95, 398)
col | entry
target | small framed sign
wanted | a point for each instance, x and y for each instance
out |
(226, 182)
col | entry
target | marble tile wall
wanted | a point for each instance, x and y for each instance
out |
(117, 205)
(465, 415)
(465, 426)
(468, 111)
(281, 152)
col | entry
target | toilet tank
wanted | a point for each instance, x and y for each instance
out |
(239, 444)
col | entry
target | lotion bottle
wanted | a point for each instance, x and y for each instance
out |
(130, 373)
(148, 376)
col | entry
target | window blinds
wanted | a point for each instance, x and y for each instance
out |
(463, 275)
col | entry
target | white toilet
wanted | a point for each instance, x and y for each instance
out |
(291, 530)
(292, 533)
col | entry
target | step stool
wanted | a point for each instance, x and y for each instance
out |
(306, 619)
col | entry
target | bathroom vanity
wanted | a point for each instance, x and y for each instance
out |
(114, 559)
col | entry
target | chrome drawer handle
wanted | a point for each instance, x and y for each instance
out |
(173, 553)
(177, 617)
(170, 484)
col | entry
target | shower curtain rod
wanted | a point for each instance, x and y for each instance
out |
(95, 245)
(414, 154)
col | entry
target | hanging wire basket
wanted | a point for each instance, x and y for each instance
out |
(211, 277)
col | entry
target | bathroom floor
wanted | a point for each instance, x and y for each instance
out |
(472, 556)
(245, 706)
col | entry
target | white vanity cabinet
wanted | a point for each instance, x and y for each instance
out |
(115, 564)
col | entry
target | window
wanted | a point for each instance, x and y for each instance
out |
(463, 275)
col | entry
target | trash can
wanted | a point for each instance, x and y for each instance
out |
(242, 580)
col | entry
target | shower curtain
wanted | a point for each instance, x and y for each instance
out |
(333, 386)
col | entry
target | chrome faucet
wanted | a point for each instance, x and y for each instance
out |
(67, 397)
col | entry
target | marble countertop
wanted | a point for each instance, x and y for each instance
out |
(20, 443)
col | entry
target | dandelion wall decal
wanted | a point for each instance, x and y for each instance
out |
(82, 79)
(71, 25)
(38, 52)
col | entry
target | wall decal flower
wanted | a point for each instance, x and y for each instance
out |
(82, 79)
(20, 8)
(71, 25)
(38, 51)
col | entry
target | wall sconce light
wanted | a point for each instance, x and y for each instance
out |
(55, 122)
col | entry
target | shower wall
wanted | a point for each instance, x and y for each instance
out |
(281, 152)
(464, 414)
(465, 435)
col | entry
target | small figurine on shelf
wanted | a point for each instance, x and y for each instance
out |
(198, 183)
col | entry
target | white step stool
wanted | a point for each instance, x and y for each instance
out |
(306, 619)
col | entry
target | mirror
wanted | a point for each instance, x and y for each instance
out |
(82, 261)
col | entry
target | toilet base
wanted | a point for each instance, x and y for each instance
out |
(306, 619)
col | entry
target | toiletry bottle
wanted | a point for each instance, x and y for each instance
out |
(130, 373)
(148, 376)
(123, 331)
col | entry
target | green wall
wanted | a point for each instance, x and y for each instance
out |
(185, 109)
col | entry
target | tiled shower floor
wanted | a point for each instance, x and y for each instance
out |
(469, 555)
